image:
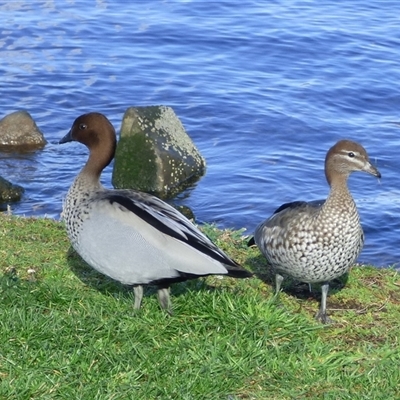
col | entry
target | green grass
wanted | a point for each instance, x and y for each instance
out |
(68, 333)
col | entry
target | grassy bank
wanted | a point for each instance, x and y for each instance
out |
(69, 333)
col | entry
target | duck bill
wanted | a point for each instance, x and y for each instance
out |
(372, 170)
(67, 138)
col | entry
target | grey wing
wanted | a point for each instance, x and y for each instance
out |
(168, 220)
(300, 205)
(274, 226)
(124, 246)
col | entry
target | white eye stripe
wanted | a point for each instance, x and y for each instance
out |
(344, 154)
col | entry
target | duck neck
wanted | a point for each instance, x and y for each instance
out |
(339, 194)
(99, 158)
(91, 172)
(339, 182)
(88, 180)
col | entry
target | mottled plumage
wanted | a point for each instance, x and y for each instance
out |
(318, 241)
(131, 236)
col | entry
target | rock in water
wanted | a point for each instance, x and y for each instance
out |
(9, 192)
(19, 130)
(155, 154)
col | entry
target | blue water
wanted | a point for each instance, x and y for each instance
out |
(263, 88)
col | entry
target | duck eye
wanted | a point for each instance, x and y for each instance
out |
(82, 126)
(351, 154)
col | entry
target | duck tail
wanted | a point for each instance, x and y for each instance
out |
(251, 242)
(238, 272)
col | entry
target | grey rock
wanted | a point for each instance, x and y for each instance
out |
(8, 192)
(19, 130)
(155, 154)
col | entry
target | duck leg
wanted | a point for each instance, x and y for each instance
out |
(278, 283)
(138, 291)
(321, 314)
(163, 298)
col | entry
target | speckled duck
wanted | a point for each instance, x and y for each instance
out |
(316, 242)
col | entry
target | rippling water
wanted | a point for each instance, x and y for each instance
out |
(263, 88)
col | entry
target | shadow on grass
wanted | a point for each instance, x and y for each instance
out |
(300, 290)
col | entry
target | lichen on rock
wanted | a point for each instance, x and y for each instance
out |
(154, 153)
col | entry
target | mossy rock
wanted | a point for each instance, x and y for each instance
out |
(155, 154)
(8, 192)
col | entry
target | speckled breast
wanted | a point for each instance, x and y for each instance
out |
(315, 249)
(75, 211)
